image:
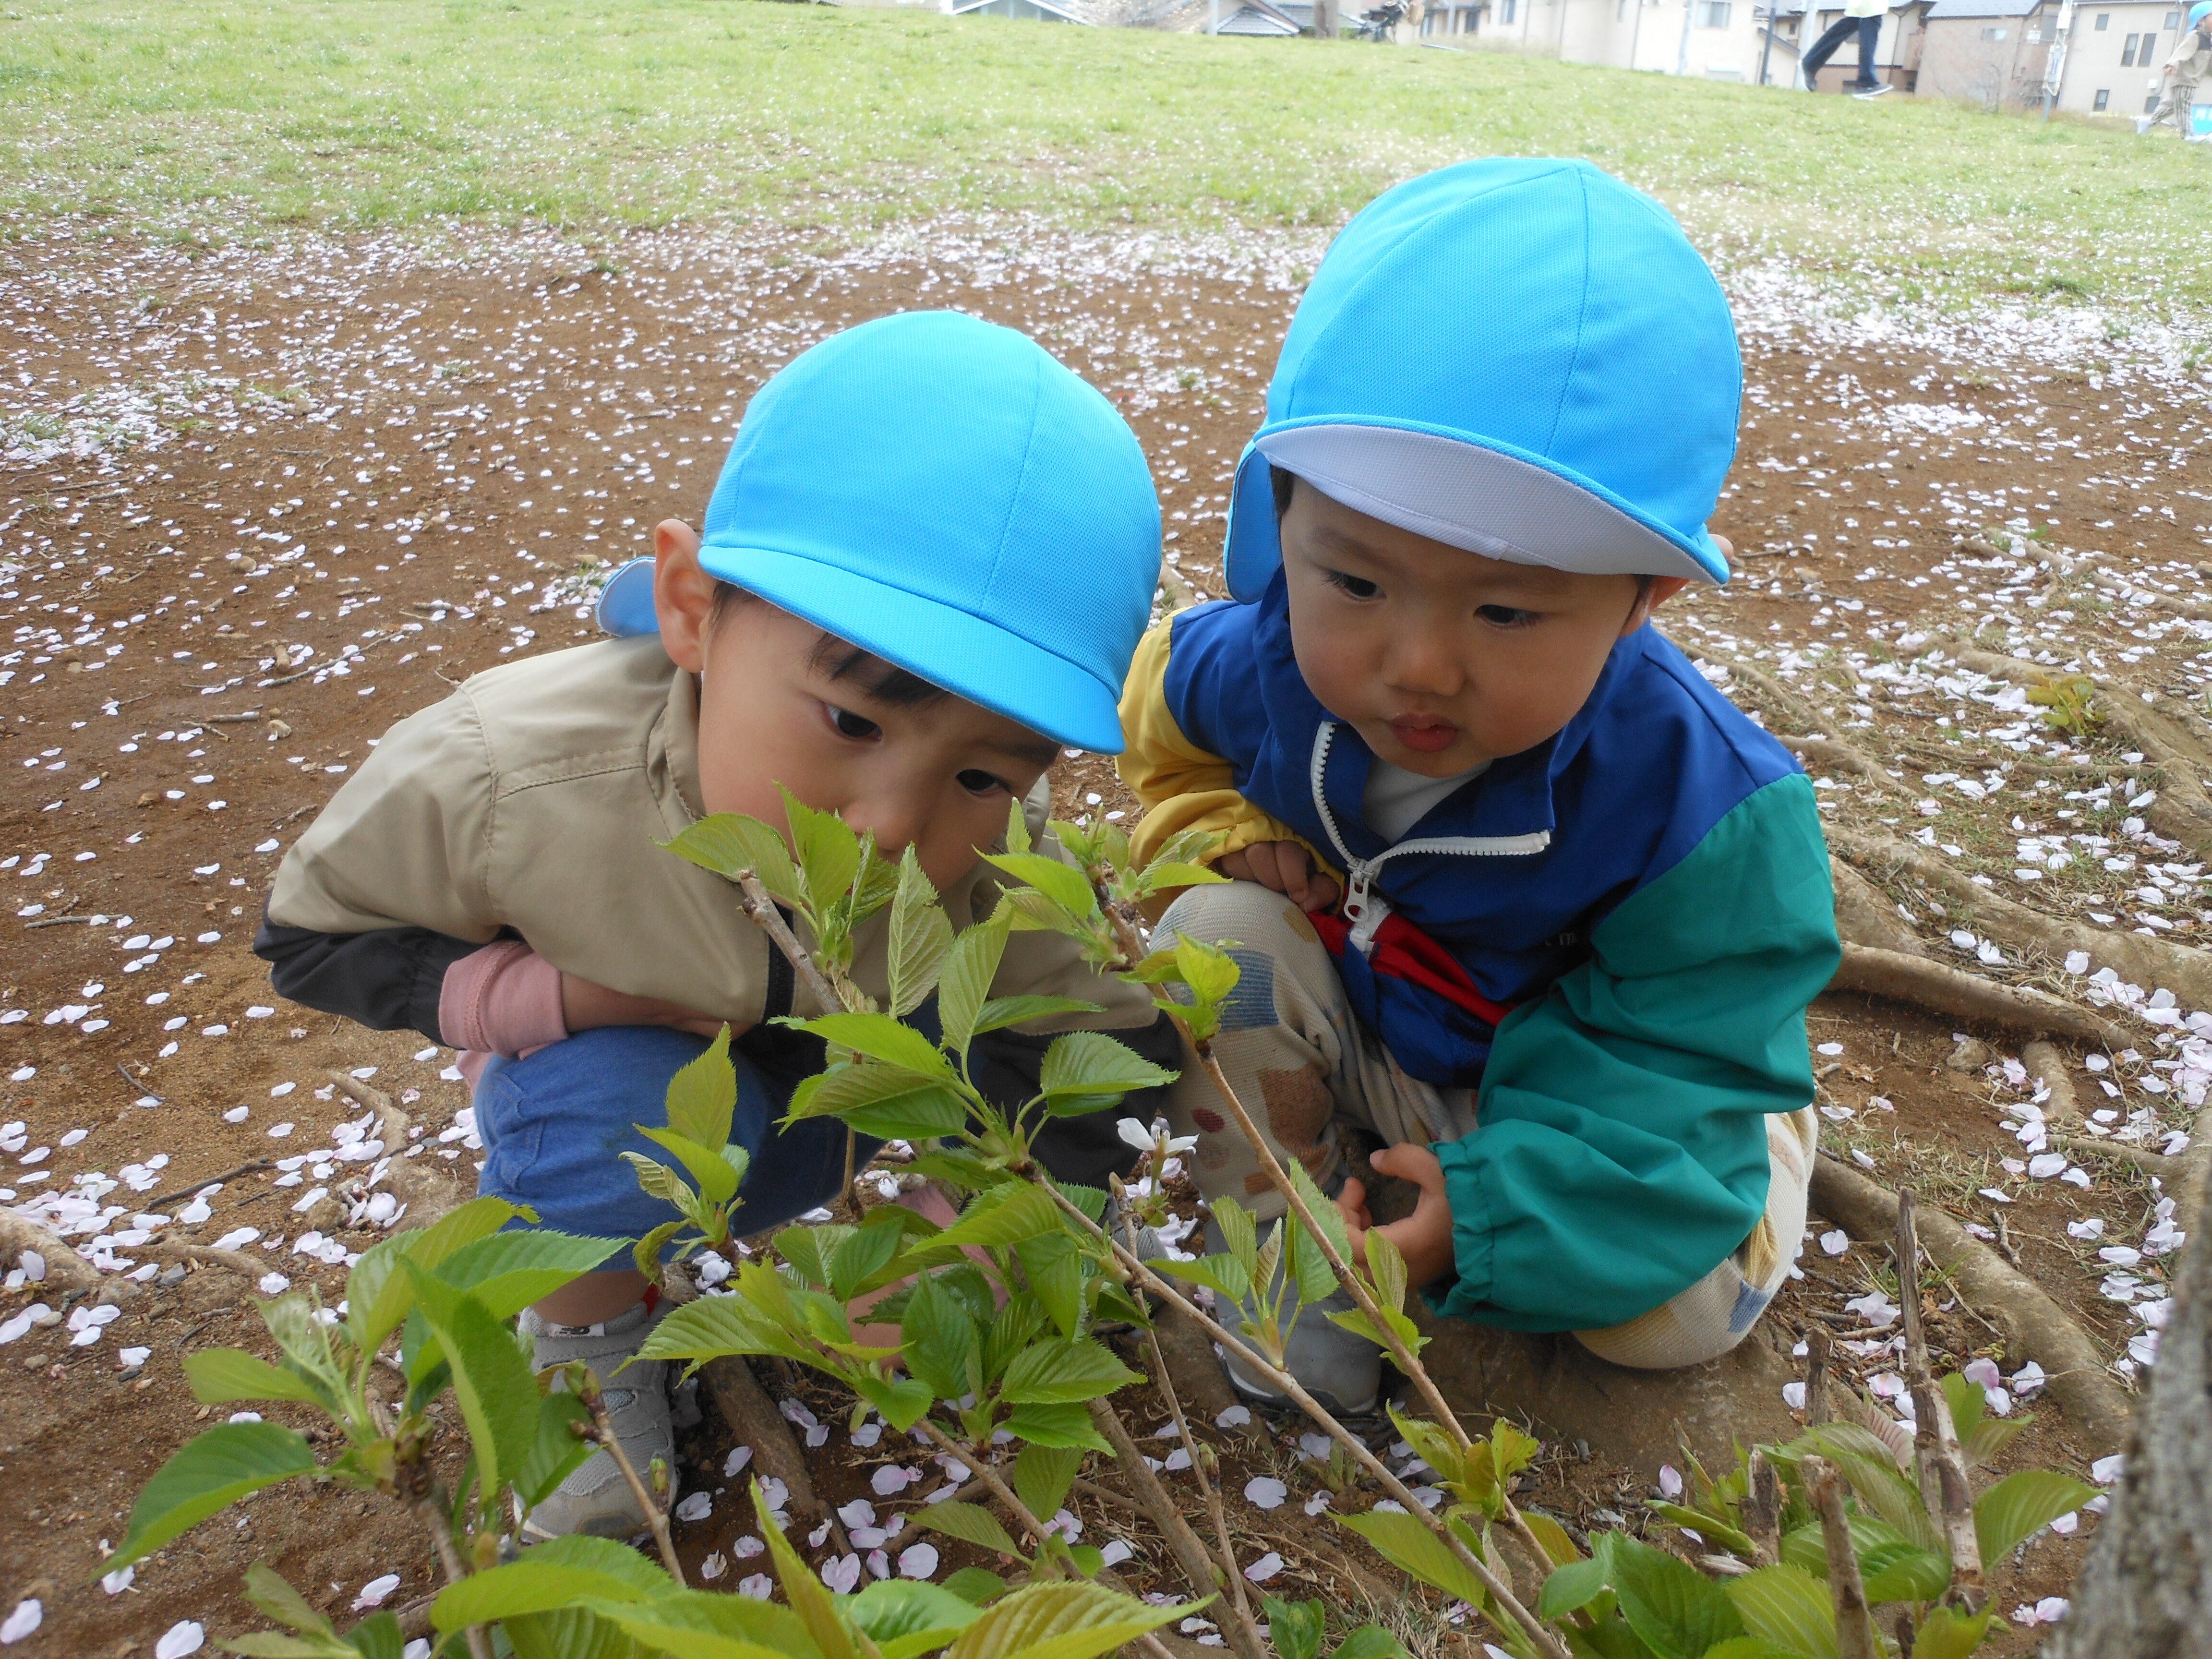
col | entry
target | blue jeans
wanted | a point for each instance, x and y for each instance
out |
(555, 1127)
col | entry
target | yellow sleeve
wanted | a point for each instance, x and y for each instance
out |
(1179, 786)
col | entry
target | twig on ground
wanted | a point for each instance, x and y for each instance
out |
(176, 1193)
(57, 921)
(2036, 1328)
(1819, 1344)
(1941, 1464)
(1854, 1638)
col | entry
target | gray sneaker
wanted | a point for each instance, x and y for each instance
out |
(1343, 1372)
(595, 1499)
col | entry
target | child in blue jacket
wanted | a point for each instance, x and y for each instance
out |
(1514, 888)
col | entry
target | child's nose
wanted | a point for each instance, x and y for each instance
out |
(1423, 660)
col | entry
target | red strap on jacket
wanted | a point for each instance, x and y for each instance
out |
(1403, 952)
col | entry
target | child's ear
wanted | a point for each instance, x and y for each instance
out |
(1656, 593)
(683, 594)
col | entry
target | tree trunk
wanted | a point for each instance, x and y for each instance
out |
(2147, 1590)
(1325, 20)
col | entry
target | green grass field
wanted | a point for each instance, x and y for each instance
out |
(219, 115)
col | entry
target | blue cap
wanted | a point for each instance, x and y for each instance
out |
(2198, 12)
(1523, 358)
(942, 492)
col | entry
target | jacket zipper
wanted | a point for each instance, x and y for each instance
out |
(1367, 909)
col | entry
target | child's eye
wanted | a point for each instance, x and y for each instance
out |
(850, 725)
(1504, 616)
(1357, 586)
(976, 781)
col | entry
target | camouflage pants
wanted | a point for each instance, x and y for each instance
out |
(2175, 105)
(1305, 1066)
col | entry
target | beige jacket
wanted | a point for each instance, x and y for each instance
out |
(2190, 60)
(530, 799)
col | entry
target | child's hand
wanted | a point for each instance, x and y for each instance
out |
(585, 1006)
(1285, 867)
(1424, 1237)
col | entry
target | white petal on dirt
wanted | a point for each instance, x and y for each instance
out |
(759, 1585)
(1264, 1492)
(417, 1648)
(1793, 1395)
(131, 1357)
(374, 1593)
(1836, 1241)
(857, 1513)
(1116, 1551)
(841, 1573)
(1235, 1416)
(738, 1457)
(1265, 1568)
(713, 1566)
(892, 1478)
(1316, 1503)
(20, 1323)
(274, 1285)
(697, 1507)
(1670, 1481)
(119, 1581)
(918, 1561)
(747, 1547)
(27, 1617)
(185, 1636)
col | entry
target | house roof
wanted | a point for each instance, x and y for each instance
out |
(1058, 14)
(1943, 9)
(1258, 17)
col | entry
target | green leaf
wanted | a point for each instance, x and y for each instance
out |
(377, 1636)
(730, 842)
(969, 1523)
(558, 1451)
(1210, 972)
(555, 1574)
(1238, 1236)
(1155, 878)
(1406, 1543)
(716, 1179)
(493, 1384)
(939, 1342)
(921, 938)
(510, 1270)
(758, 1319)
(1001, 1011)
(862, 1254)
(1750, 1647)
(379, 1295)
(1900, 1572)
(828, 848)
(1223, 1275)
(570, 1633)
(1552, 1536)
(220, 1375)
(1569, 1588)
(273, 1593)
(880, 1038)
(702, 1095)
(690, 1624)
(645, 1252)
(1806, 1546)
(1043, 1475)
(1063, 883)
(888, 1102)
(1295, 1627)
(1055, 1372)
(1068, 1618)
(905, 1618)
(904, 1400)
(1017, 828)
(970, 967)
(1948, 1633)
(273, 1646)
(1716, 1530)
(1053, 1264)
(1088, 1070)
(209, 1473)
(660, 1181)
(1677, 1611)
(1369, 1642)
(2012, 1510)
(1876, 1479)
(805, 1592)
(998, 1223)
(1787, 1607)
(1056, 1425)
(977, 1584)
(1388, 1268)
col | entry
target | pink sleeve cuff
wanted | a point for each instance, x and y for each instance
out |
(503, 1000)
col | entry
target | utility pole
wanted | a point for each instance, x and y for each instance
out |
(1682, 54)
(2054, 66)
(1324, 20)
(1765, 38)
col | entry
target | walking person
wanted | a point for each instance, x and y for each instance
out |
(1862, 18)
(2190, 62)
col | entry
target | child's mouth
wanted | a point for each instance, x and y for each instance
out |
(1423, 733)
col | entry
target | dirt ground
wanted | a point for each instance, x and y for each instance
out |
(266, 502)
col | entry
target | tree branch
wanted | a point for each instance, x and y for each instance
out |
(1943, 1466)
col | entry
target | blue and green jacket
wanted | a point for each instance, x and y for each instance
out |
(1647, 892)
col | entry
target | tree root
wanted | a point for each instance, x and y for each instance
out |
(2183, 811)
(1864, 914)
(66, 1270)
(754, 1418)
(1953, 991)
(428, 1192)
(2035, 1327)
(1831, 750)
(2149, 962)
(2048, 1066)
